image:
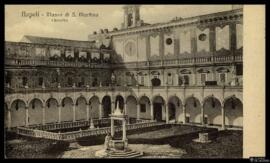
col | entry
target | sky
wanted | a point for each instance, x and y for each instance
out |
(18, 24)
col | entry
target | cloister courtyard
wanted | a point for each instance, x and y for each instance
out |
(169, 141)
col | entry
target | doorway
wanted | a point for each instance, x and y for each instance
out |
(171, 110)
(158, 111)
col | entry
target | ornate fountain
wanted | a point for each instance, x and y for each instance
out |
(115, 147)
(118, 144)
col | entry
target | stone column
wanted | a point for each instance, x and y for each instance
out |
(124, 130)
(223, 117)
(112, 127)
(148, 48)
(163, 81)
(232, 37)
(74, 112)
(193, 41)
(26, 115)
(59, 113)
(9, 118)
(112, 106)
(166, 112)
(125, 18)
(194, 77)
(134, 18)
(184, 113)
(202, 115)
(138, 111)
(152, 111)
(100, 110)
(149, 79)
(125, 108)
(87, 111)
(176, 43)
(43, 114)
(161, 44)
(212, 39)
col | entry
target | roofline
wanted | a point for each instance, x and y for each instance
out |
(184, 21)
(57, 38)
(39, 44)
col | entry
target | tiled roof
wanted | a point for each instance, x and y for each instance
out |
(57, 41)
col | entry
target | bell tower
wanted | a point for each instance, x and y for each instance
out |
(131, 16)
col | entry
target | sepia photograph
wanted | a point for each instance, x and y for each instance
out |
(124, 81)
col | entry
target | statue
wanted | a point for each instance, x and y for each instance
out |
(108, 138)
(113, 79)
(92, 126)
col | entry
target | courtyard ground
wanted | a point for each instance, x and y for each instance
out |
(167, 143)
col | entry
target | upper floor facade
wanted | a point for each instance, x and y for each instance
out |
(217, 35)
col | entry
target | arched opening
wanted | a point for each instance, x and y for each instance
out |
(120, 101)
(80, 111)
(106, 104)
(94, 107)
(158, 106)
(17, 113)
(193, 110)
(67, 109)
(132, 106)
(233, 112)
(145, 111)
(212, 111)
(175, 109)
(51, 111)
(35, 112)
(155, 82)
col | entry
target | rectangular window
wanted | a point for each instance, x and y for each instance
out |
(142, 80)
(222, 77)
(40, 51)
(82, 54)
(69, 53)
(186, 78)
(40, 81)
(142, 108)
(129, 80)
(239, 69)
(170, 80)
(55, 52)
(203, 78)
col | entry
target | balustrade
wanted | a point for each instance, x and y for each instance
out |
(81, 133)
(200, 60)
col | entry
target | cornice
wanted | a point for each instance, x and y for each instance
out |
(202, 20)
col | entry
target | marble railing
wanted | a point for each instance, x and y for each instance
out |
(171, 62)
(182, 61)
(67, 125)
(67, 136)
(109, 89)
(36, 62)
